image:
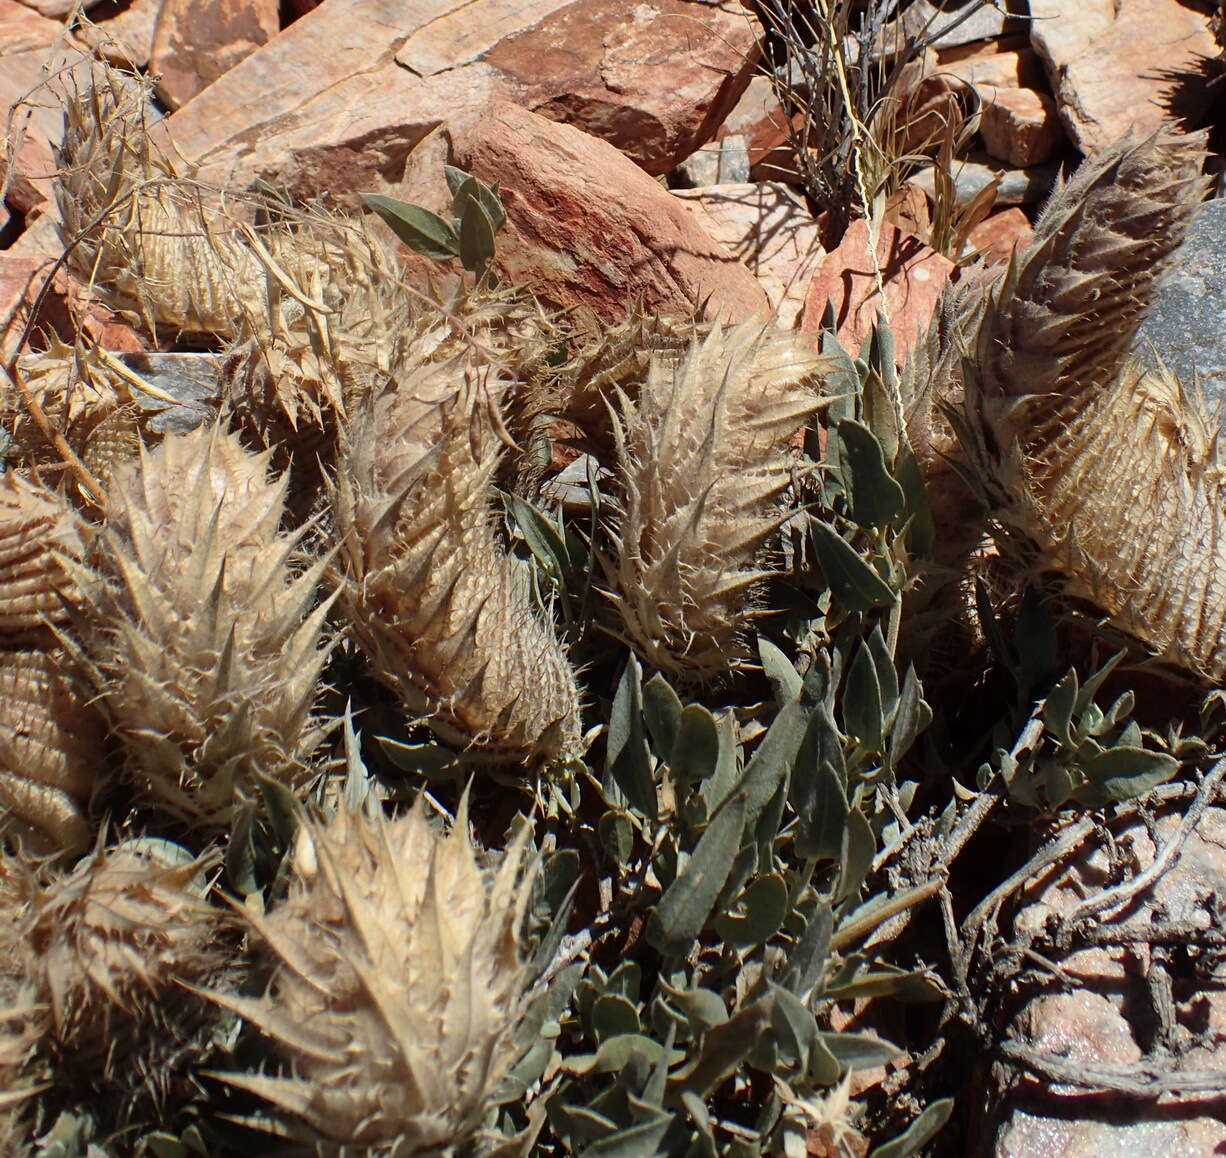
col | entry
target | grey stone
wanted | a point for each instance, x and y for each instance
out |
(722, 162)
(963, 23)
(190, 378)
(1017, 186)
(1186, 326)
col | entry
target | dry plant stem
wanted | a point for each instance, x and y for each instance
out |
(904, 902)
(1124, 893)
(1144, 1079)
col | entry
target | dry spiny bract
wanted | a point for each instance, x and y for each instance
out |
(1109, 478)
(107, 951)
(51, 752)
(38, 534)
(398, 985)
(146, 240)
(701, 461)
(203, 632)
(443, 612)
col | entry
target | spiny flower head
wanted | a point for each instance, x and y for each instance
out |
(399, 978)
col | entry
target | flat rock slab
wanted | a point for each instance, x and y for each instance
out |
(1104, 1015)
(337, 101)
(1186, 324)
(587, 227)
(1115, 65)
(765, 228)
(197, 41)
(851, 278)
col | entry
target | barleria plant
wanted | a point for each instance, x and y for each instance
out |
(364, 793)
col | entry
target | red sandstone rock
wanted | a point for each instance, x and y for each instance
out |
(996, 237)
(769, 231)
(122, 35)
(586, 226)
(1112, 62)
(20, 279)
(339, 99)
(656, 80)
(913, 276)
(196, 41)
(1020, 126)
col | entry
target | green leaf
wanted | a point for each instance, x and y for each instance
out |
(640, 1141)
(863, 716)
(913, 717)
(696, 750)
(612, 1015)
(1035, 636)
(921, 527)
(852, 581)
(720, 782)
(914, 985)
(476, 237)
(1121, 773)
(887, 673)
(1058, 708)
(723, 1049)
(616, 832)
(762, 909)
(241, 852)
(773, 758)
(282, 808)
(876, 498)
(703, 1009)
(859, 1051)
(795, 1029)
(780, 672)
(547, 546)
(431, 760)
(859, 847)
(471, 189)
(615, 1054)
(629, 763)
(818, 791)
(687, 903)
(807, 961)
(422, 231)
(164, 1145)
(662, 710)
(919, 1133)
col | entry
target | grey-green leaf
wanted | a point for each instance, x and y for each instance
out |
(629, 763)
(662, 709)
(422, 231)
(919, 1133)
(863, 714)
(687, 903)
(876, 498)
(854, 583)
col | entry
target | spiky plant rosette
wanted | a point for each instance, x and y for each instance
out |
(147, 240)
(398, 983)
(441, 609)
(702, 458)
(105, 953)
(1100, 474)
(52, 753)
(203, 631)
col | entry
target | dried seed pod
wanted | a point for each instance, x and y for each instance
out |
(1108, 478)
(398, 986)
(1126, 502)
(38, 532)
(108, 953)
(1060, 320)
(701, 459)
(51, 752)
(203, 635)
(444, 614)
(112, 940)
(146, 240)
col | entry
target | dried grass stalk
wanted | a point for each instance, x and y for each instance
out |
(701, 461)
(443, 612)
(204, 634)
(399, 981)
(51, 752)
